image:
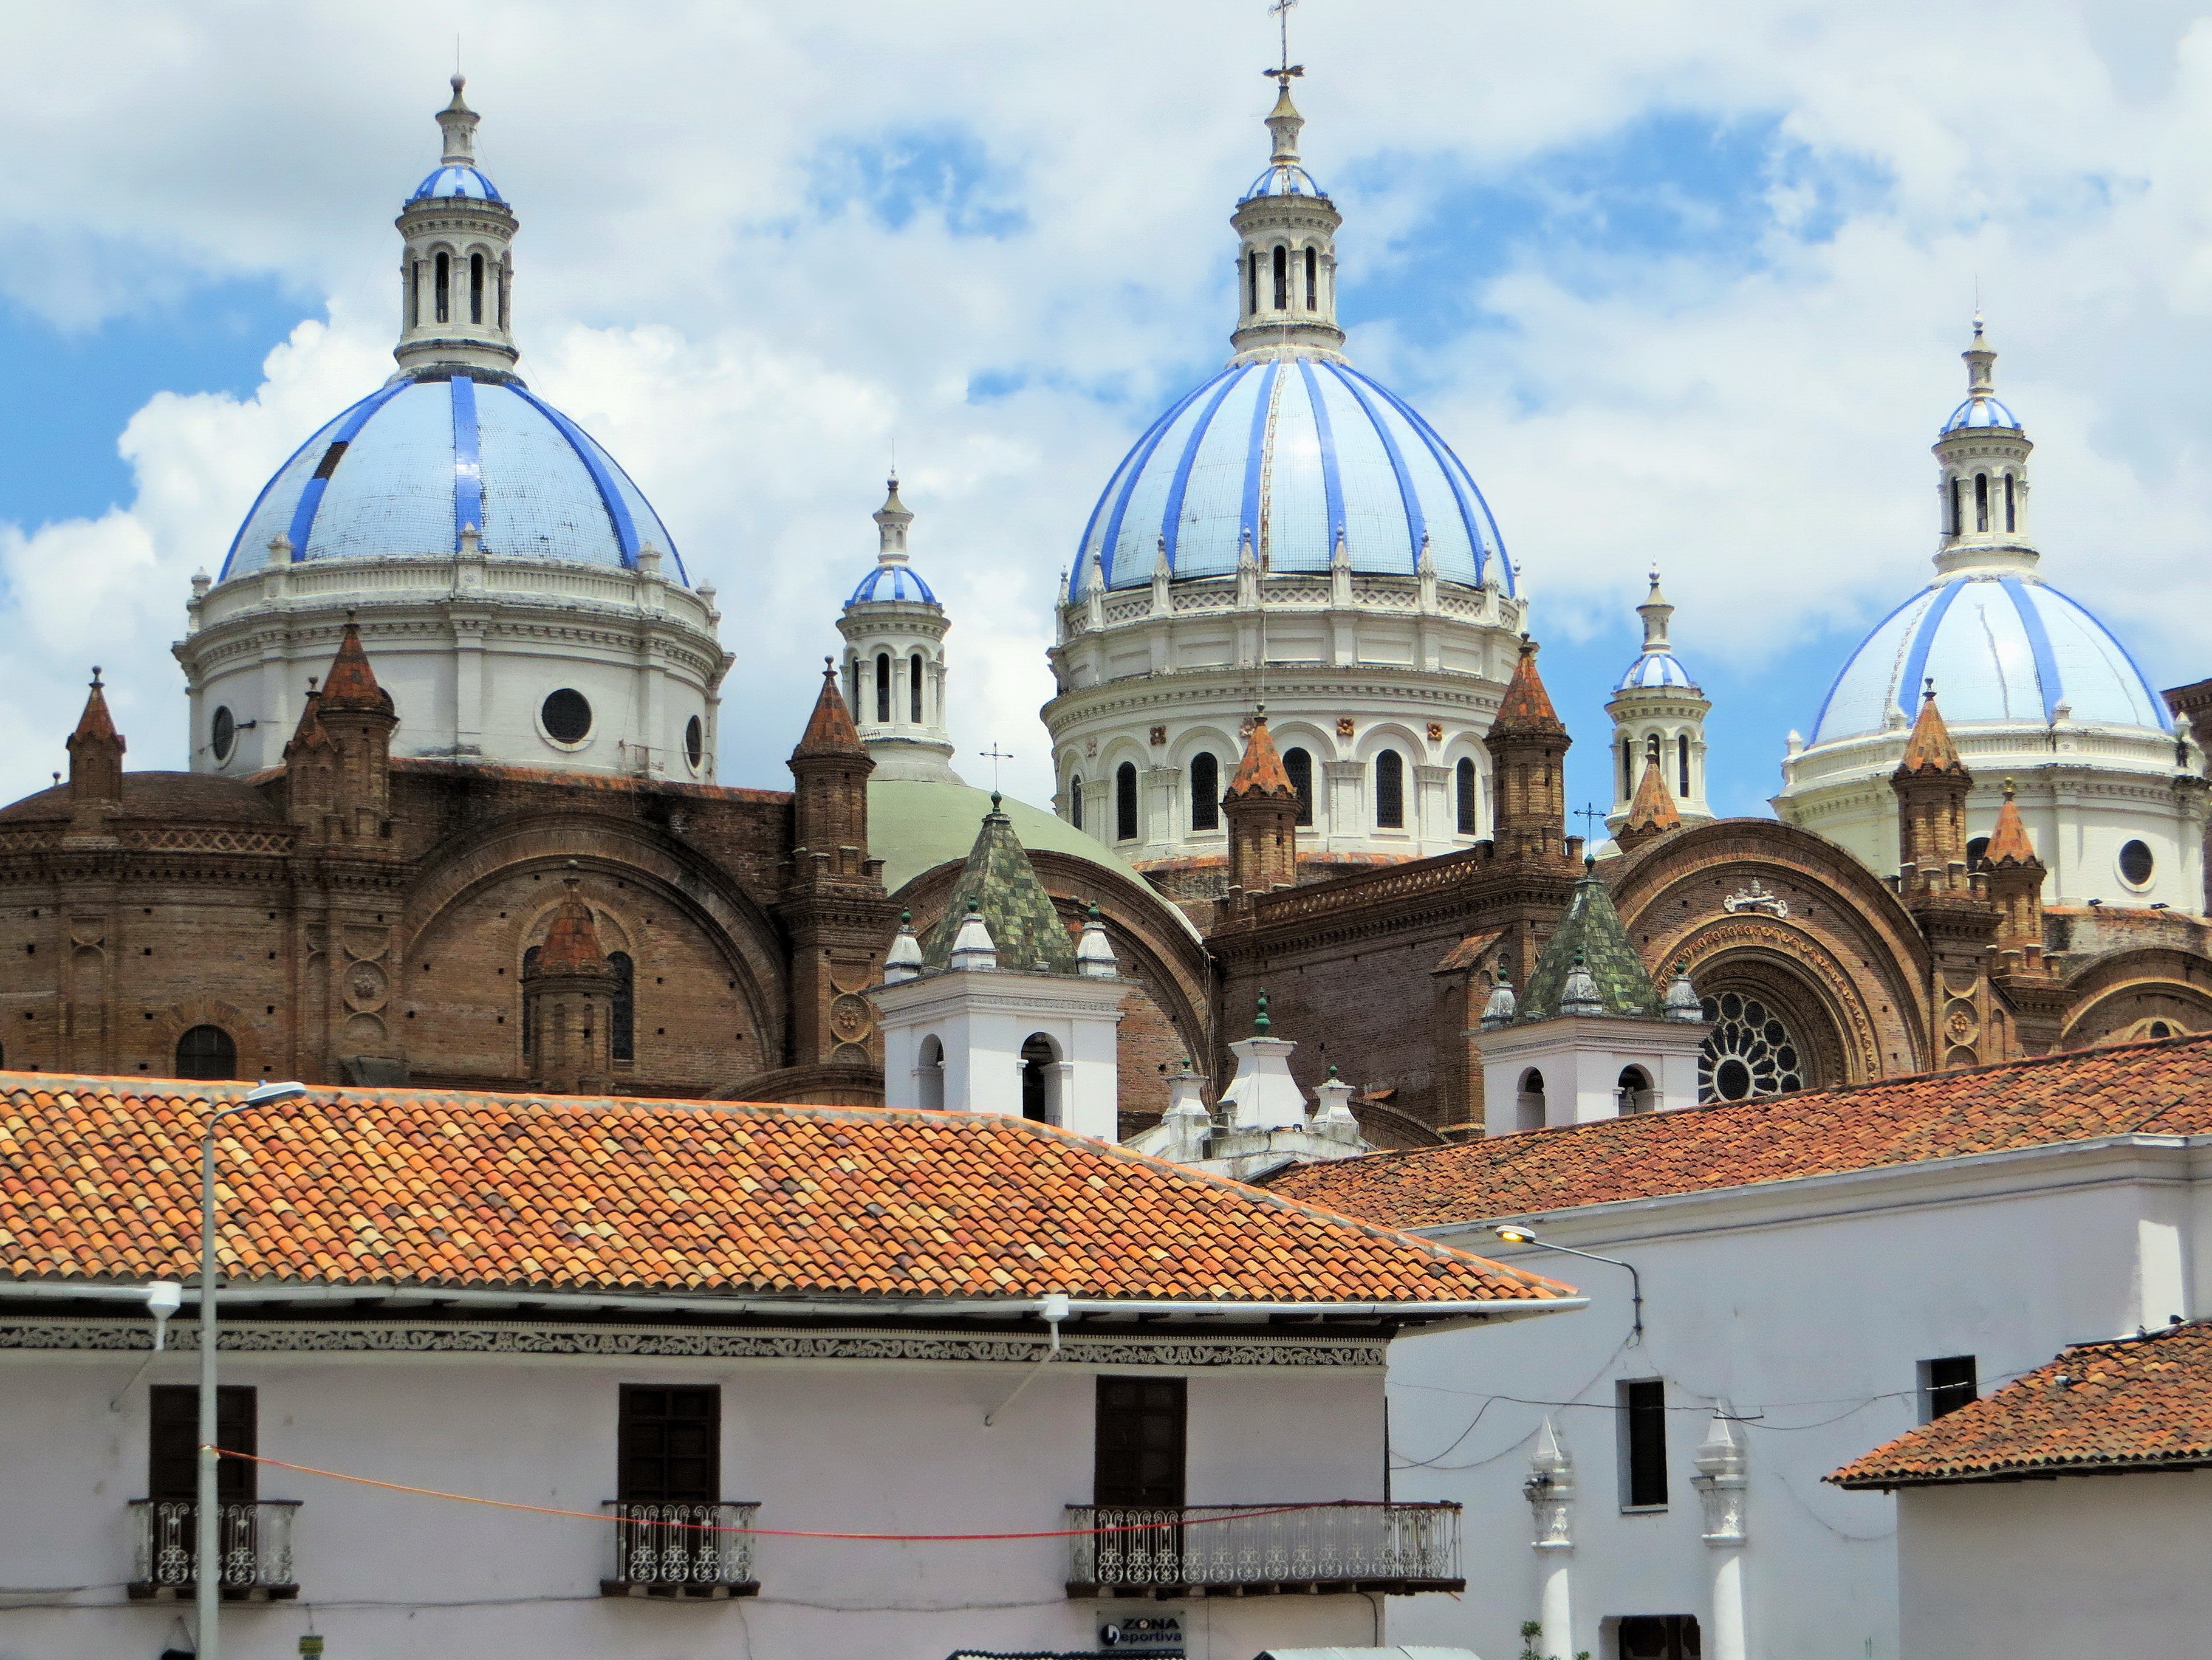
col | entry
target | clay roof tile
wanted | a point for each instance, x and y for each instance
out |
(1526, 708)
(1929, 750)
(1261, 772)
(829, 729)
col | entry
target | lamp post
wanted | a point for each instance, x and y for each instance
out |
(1514, 1234)
(206, 1571)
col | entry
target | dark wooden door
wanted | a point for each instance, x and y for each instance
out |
(172, 1472)
(1139, 1449)
(671, 1443)
(1660, 1637)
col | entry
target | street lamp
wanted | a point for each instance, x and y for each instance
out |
(207, 1589)
(1513, 1234)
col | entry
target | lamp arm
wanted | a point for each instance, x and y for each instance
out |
(1635, 1279)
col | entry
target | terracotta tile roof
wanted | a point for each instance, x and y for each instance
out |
(351, 683)
(2009, 842)
(190, 798)
(829, 729)
(1468, 952)
(96, 725)
(617, 783)
(2160, 1088)
(99, 1181)
(309, 733)
(1526, 706)
(1261, 772)
(1931, 749)
(2142, 1403)
(1653, 809)
(572, 938)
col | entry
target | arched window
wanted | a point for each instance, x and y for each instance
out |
(1313, 286)
(529, 1026)
(444, 283)
(1682, 763)
(1463, 781)
(1651, 750)
(498, 292)
(415, 293)
(1075, 800)
(623, 1037)
(2011, 518)
(1252, 283)
(1632, 1091)
(1205, 791)
(476, 287)
(1390, 791)
(1529, 1101)
(1977, 848)
(883, 688)
(1627, 768)
(1282, 278)
(1040, 1079)
(914, 689)
(1981, 501)
(1299, 767)
(853, 685)
(1124, 802)
(1958, 525)
(207, 1052)
(931, 1081)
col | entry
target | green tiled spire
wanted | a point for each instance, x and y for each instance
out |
(1011, 901)
(1591, 932)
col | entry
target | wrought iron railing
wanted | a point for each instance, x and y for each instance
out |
(1248, 1548)
(681, 1550)
(255, 1542)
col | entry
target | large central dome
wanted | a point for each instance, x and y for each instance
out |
(1286, 455)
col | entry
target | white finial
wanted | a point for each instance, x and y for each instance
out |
(891, 521)
(903, 961)
(1094, 953)
(470, 547)
(280, 549)
(458, 122)
(972, 947)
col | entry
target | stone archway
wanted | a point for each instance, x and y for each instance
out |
(2123, 998)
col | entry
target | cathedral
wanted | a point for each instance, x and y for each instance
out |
(452, 815)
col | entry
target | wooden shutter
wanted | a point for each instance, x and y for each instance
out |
(1139, 1448)
(173, 1442)
(670, 1444)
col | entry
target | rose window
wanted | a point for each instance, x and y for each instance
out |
(1748, 1052)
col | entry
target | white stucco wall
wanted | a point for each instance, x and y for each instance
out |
(1807, 1305)
(844, 1446)
(2084, 1565)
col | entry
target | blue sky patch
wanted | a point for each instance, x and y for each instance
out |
(944, 170)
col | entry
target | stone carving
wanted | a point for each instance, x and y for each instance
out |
(1722, 1478)
(851, 1017)
(1755, 895)
(1550, 1490)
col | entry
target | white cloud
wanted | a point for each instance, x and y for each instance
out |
(1756, 418)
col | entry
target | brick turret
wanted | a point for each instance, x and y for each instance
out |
(96, 753)
(1950, 903)
(1262, 807)
(569, 989)
(339, 764)
(1528, 744)
(1931, 784)
(1652, 814)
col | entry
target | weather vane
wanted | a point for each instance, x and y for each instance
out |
(1283, 72)
(995, 754)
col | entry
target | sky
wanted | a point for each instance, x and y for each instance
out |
(1683, 284)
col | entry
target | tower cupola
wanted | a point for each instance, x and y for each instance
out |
(1982, 488)
(894, 632)
(456, 270)
(1658, 733)
(1286, 249)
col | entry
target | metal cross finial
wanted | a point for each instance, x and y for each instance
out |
(1929, 696)
(1590, 817)
(995, 754)
(1282, 73)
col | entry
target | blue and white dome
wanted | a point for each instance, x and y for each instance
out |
(1285, 453)
(407, 470)
(892, 584)
(1981, 410)
(2000, 646)
(457, 180)
(1653, 671)
(1283, 179)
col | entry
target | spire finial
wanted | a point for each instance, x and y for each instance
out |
(1262, 1025)
(458, 122)
(891, 521)
(1928, 690)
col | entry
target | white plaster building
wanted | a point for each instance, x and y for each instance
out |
(1291, 533)
(1658, 720)
(1818, 1274)
(836, 1321)
(894, 632)
(2034, 689)
(522, 600)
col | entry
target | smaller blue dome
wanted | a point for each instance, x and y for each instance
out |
(1655, 669)
(906, 585)
(1981, 411)
(1283, 179)
(457, 180)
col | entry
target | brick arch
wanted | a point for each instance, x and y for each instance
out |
(2115, 998)
(749, 941)
(1154, 945)
(172, 1023)
(1847, 956)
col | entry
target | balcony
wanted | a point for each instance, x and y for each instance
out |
(1255, 1550)
(681, 1550)
(255, 1539)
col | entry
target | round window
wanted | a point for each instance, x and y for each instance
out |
(567, 716)
(2137, 865)
(694, 742)
(224, 733)
(1747, 1052)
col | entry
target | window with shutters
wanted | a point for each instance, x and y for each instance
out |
(172, 1473)
(1642, 1410)
(670, 1444)
(1140, 1444)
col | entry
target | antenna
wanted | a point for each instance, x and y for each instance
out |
(1283, 72)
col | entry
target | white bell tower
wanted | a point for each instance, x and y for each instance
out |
(894, 632)
(456, 270)
(1658, 721)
